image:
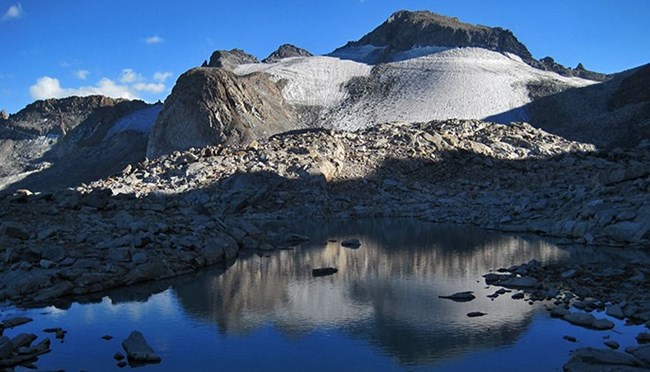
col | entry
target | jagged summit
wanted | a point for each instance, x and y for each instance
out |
(408, 34)
(286, 51)
(229, 59)
(405, 30)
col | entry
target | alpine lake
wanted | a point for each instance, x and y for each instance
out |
(381, 311)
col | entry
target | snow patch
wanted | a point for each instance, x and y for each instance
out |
(463, 83)
(139, 121)
(313, 81)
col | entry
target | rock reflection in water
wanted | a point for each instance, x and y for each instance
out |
(385, 292)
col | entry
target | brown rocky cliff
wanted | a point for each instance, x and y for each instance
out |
(212, 105)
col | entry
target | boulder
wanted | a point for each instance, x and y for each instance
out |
(351, 243)
(460, 296)
(14, 230)
(519, 282)
(324, 271)
(592, 359)
(209, 106)
(138, 350)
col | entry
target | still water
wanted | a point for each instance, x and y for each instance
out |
(380, 312)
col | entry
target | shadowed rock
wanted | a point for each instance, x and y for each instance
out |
(138, 350)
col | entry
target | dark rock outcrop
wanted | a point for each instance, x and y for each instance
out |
(213, 105)
(286, 51)
(59, 116)
(405, 30)
(229, 59)
(57, 143)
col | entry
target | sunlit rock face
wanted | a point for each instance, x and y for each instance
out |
(386, 291)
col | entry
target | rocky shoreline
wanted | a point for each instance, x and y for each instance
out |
(178, 213)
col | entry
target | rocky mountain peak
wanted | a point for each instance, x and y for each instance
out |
(56, 116)
(404, 30)
(229, 59)
(286, 51)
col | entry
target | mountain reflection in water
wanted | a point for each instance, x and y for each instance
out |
(386, 292)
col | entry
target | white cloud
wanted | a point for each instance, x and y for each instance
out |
(49, 87)
(150, 87)
(14, 11)
(130, 84)
(161, 76)
(129, 76)
(82, 74)
(155, 39)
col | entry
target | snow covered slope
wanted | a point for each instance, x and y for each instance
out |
(423, 84)
(311, 81)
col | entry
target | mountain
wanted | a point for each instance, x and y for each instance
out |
(56, 143)
(415, 67)
(406, 31)
(286, 51)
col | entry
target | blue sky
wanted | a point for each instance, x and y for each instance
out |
(137, 48)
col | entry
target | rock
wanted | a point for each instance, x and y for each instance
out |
(602, 324)
(296, 238)
(14, 230)
(518, 296)
(23, 339)
(588, 359)
(210, 106)
(460, 296)
(324, 271)
(493, 278)
(570, 338)
(559, 312)
(60, 334)
(643, 338)
(222, 248)
(351, 243)
(475, 314)
(14, 322)
(626, 231)
(615, 311)
(138, 350)
(519, 282)
(118, 356)
(581, 319)
(641, 352)
(46, 264)
(6, 347)
(612, 344)
(122, 364)
(107, 337)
